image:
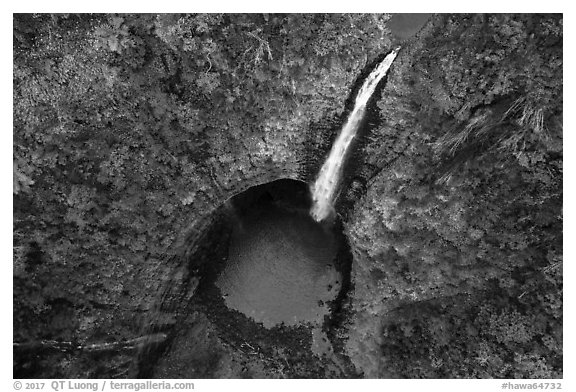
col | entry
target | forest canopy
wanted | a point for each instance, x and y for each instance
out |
(128, 128)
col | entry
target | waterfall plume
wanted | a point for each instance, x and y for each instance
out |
(324, 188)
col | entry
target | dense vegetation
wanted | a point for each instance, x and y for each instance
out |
(460, 233)
(128, 128)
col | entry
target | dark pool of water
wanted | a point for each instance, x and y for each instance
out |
(281, 266)
(285, 279)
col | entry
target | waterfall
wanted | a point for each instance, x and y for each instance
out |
(324, 188)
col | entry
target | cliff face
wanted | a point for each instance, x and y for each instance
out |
(132, 131)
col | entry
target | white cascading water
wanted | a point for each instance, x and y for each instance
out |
(324, 188)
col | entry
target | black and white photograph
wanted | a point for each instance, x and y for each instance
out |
(287, 196)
